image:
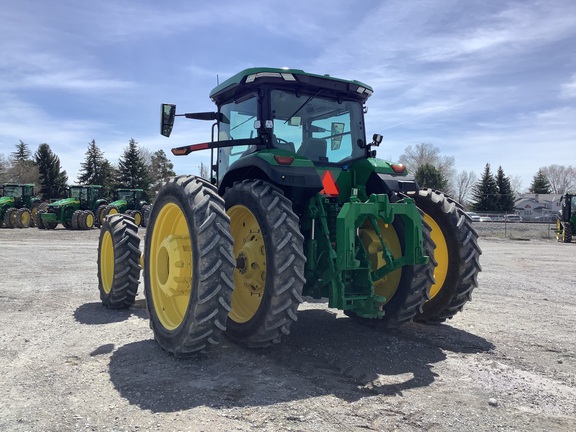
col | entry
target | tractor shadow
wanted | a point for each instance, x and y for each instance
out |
(324, 355)
(96, 313)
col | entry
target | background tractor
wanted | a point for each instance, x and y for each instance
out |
(129, 201)
(74, 212)
(18, 205)
(298, 205)
(566, 221)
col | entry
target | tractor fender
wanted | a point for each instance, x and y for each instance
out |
(293, 180)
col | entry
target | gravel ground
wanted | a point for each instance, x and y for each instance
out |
(506, 363)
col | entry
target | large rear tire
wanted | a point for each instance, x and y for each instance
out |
(118, 262)
(567, 233)
(41, 209)
(269, 274)
(188, 266)
(457, 254)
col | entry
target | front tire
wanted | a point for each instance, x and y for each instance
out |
(23, 218)
(457, 254)
(269, 274)
(118, 262)
(188, 271)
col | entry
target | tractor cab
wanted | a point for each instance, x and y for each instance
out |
(133, 197)
(20, 192)
(86, 195)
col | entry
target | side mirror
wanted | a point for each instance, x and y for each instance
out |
(337, 129)
(167, 115)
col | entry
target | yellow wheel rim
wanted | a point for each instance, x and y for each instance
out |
(34, 212)
(106, 262)
(112, 211)
(25, 218)
(558, 228)
(170, 266)
(89, 220)
(250, 271)
(440, 254)
(137, 218)
(13, 218)
(387, 285)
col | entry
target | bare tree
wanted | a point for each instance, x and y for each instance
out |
(425, 153)
(561, 178)
(463, 184)
(516, 183)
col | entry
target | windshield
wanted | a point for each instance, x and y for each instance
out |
(80, 193)
(125, 195)
(13, 191)
(320, 129)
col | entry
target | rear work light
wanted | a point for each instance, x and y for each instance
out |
(398, 168)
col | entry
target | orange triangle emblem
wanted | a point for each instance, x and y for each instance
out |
(330, 187)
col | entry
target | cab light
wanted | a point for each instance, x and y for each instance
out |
(284, 160)
(398, 168)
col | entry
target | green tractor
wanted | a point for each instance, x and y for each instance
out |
(18, 206)
(129, 201)
(566, 220)
(298, 205)
(75, 212)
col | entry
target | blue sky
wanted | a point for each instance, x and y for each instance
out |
(484, 81)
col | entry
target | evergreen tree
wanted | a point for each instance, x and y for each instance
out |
(22, 152)
(22, 168)
(52, 179)
(132, 170)
(430, 177)
(96, 170)
(160, 169)
(540, 184)
(485, 192)
(505, 193)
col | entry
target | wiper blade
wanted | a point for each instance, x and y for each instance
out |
(302, 106)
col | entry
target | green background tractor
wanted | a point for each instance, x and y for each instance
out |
(129, 201)
(566, 221)
(18, 206)
(74, 212)
(298, 205)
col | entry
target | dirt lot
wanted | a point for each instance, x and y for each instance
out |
(67, 364)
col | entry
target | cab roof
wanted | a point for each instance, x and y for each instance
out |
(284, 77)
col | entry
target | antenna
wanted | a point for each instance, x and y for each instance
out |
(217, 80)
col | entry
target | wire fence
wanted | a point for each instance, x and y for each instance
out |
(516, 230)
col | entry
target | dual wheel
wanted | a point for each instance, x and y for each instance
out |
(563, 231)
(434, 292)
(17, 218)
(242, 274)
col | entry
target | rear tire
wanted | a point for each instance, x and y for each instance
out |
(145, 214)
(189, 267)
(33, 213)
(118, 262)
(41, 209)
(75, 222)
(457, 254)
(99, 215)
(269, 274)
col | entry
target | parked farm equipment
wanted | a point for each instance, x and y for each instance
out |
(566, 222)
(75, 212)
(298, 205)
(18, 205)
(129, 201)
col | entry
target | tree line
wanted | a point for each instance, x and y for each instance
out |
(489, 193)
(137, 168)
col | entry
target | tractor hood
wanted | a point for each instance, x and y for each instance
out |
(6, 200)
(65, 201)
(119, 203)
